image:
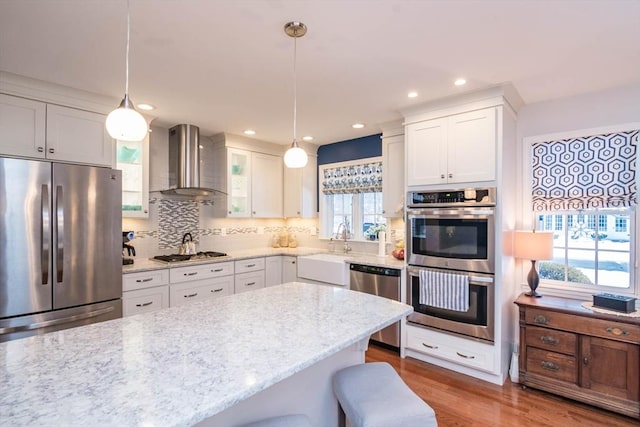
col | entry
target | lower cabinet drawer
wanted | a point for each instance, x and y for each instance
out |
(145, 300)
(184, 293)
(453, 349)
(249, 281)
(549, 339)
(144, 279)
(553, 365)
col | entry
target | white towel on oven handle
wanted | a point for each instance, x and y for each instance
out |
(440, 289)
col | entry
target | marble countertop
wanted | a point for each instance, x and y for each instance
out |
(180, 365)
(144, 264)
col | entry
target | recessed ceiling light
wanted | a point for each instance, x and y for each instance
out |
(146, 107)
(249, 132)
(412, 94)
(307, 138)
(357, 125)
(460, 82)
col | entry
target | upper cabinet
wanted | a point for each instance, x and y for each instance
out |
(392, 175)
(300, 190)
(45, 131)
(460, 148)
(252, 180)
(132, 158)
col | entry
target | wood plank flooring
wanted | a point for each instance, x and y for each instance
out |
(460, 400)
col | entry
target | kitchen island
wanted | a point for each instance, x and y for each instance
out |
(221, 361)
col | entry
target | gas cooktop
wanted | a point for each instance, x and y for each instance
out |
(198, 256)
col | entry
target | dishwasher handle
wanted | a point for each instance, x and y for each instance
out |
(371, 269)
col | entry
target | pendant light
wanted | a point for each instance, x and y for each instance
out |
(295, 157)
(125, 123)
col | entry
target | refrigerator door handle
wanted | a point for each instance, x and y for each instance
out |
(59, 233)
(44, 233)
(54, 322)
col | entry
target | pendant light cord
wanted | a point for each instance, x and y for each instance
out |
(295, 88)
(126, 79)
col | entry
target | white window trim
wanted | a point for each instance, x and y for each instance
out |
(528, 218)
(324, 233)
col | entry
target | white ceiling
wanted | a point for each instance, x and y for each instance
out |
(226, 65)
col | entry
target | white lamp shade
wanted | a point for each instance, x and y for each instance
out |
(533, 245)
(126, 124)
(295, 157)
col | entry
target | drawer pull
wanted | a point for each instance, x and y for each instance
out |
(549, 366)
(617, 331)
(191, 295)
(144, 304)
(191, 274)
(585, 360)
(250, 265)
(549, 340)
(465, 356)
(216, 290)
(432, 347)
(144, 280)
(251, 283)
(541, 319)
(217, 270)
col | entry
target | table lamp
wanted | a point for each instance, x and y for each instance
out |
(534, 246)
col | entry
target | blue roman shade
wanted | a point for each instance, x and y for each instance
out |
(363, 177)
(593, 172)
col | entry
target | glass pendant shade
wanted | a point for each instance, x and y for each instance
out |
(295, 157)
(125, 123)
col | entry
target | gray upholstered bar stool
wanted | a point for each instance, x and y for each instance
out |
(373, 395)
(295, 420)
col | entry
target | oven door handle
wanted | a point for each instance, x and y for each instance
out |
(415, 272)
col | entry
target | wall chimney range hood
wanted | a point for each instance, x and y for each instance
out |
(184, 162)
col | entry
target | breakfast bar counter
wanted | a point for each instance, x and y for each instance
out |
(221, 361)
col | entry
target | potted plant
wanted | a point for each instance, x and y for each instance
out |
(371, 233)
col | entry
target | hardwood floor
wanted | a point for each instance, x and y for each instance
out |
(460, 400)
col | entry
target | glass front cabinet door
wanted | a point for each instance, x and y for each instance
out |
(133, 160)
(239, 187)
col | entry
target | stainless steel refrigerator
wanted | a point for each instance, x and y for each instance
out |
(60, 246)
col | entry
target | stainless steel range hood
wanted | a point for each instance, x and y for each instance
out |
(184, 162)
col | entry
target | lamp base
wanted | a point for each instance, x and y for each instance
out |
(533, 280)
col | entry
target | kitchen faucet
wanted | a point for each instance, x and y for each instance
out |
(344, 234)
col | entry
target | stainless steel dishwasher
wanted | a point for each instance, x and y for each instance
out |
(383, 282)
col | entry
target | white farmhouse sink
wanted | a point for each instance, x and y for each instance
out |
(324, 268)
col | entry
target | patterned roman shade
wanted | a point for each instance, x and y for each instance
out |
(359, 178)
(593, 172)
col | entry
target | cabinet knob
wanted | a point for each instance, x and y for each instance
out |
(617, 331)
(549, 340)
(229, 212)
(442, 176)
(585, 360)
(450, 175)
(540, 319)
(40, 149)
(51, 150)
(254, 212)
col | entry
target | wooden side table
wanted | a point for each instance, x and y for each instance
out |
(575, 352)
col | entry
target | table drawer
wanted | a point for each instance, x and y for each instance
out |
(602, 328)
(552, 340)
(145, 300)
(552, 365)
(144, 279)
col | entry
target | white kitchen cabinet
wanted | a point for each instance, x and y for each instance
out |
(289, 269)
(254, 184)
(145, 300)
(145, 291)
(196, 290)
(300, 190)
(273, 271)
(393, 176)
(46, 131)
(22, 127)
(132, 158)
(455, 149)
(245, 282)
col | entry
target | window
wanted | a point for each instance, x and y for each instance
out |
(590, 258)
(352, 196)
(583, 189)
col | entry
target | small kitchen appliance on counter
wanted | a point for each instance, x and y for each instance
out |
(193, 257)
(127, 236)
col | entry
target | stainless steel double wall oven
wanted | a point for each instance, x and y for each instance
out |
(453, 231)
